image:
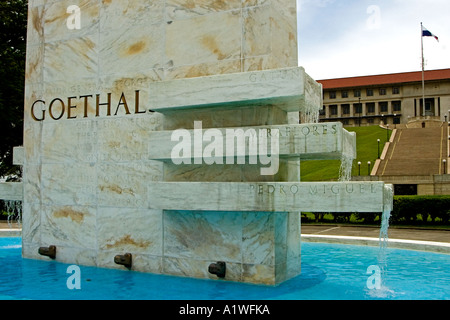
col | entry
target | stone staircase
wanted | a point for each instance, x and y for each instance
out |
(416, 152)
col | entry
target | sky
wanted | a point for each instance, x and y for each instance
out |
(347, 38)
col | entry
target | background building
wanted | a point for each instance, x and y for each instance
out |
(388, 99)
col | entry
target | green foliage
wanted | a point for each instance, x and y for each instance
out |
(342, 217)
(421, 209)
(408, 210)
(13, 22)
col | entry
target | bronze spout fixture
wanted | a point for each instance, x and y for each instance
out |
(48, 252)
(124, 260)
(219, 269)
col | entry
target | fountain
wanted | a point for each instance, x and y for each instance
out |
(14, 210)
(384, 238)
(11, 194)
(138, 155)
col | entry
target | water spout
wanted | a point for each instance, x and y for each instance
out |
(48, 252)
(219, 269)
(382, 289)
(384, 230)
(124, 260)
(348, 156)
(345, 171)
(387, 209)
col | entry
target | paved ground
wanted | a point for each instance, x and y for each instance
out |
(373, 232)
(354, 231)
(5, 225)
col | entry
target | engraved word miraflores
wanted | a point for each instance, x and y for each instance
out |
(59, 108)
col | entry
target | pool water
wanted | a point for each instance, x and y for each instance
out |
(329, 272)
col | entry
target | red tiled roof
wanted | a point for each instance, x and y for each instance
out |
(385, 79)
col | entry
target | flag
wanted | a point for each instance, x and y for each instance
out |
(427, 33)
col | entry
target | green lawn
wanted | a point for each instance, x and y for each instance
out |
(367, 149)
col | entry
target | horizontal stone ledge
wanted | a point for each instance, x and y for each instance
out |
(289, 89)
(324, 141)
(11, 191)
(270, 197)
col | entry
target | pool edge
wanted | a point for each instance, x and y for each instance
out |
(428, 246)
(10, 233)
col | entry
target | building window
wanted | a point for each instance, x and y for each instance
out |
(429, 106)
(357, 93)
(346, 109)
(345, 122)
(344, 94)
(395, 90)
(332, 94)
(370, 92)
(382, 92)
(371, 107)
(383, 107)
(358, 108)
(370, 121)
(397, 106)
(333, 110)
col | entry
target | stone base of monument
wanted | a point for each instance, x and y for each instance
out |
(215, 192)
(256, 229)
(257, 247)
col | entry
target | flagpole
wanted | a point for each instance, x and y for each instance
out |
(423, 69)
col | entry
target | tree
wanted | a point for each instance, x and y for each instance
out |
(13, 29)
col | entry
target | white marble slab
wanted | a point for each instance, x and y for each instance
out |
(268, 197)
(308, 141)
(287, 88)
(11, 191)
(18, 156)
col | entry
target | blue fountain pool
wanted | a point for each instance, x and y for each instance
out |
(329, 272)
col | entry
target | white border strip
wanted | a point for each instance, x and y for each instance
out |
(10, 233)
(430, 246)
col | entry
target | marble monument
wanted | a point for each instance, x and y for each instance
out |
(163, 136)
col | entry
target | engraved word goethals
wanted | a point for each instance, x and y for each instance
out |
(59, 108)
